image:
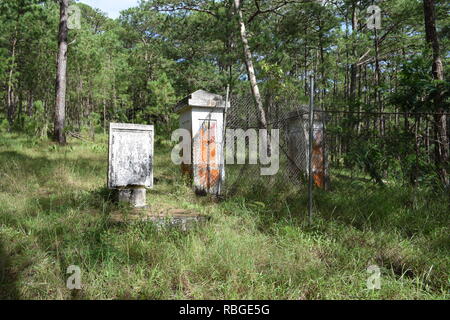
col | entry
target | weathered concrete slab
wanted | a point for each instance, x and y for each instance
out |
(183, 220)
(200, 98)
(130, 155)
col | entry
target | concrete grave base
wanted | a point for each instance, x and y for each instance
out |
(177, 218)
(136, 197)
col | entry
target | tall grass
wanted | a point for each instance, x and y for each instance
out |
(55, 212)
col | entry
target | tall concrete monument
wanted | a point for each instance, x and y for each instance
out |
(202, 114)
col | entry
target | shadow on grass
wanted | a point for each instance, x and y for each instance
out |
(80, 240)
(8, 279)
(70, 224)
(56, 233)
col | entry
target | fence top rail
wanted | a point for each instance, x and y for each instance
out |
(301, 113)
(384, 112)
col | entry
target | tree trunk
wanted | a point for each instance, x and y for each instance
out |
(30, 103)
(104, 115)
(11, 98)
(61, 78)
(354, 66)
(440, 119)
(432, 39)
(249, 63)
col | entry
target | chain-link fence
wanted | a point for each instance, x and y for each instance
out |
(290, 120)
(371, 147)
(384, 147)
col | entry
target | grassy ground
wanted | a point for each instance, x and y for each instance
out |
(54, 213)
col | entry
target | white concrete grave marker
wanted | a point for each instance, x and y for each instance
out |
(130, 167)
(202, 114)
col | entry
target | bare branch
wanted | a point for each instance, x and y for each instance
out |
(274, 8)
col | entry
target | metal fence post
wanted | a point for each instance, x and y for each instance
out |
(310, 147)
(224, 130)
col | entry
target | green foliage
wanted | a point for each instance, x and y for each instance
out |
(135, 68)
(4, 125)
(417, 87)
(368, 154)
(94, 120)
(37, 124)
